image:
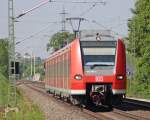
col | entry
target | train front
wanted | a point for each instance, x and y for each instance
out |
(104, 67)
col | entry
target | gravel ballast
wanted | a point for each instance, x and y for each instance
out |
(52, 109)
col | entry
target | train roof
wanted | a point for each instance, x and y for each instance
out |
(97, 38)
(100, 38)
(61, 50)
(96, 35)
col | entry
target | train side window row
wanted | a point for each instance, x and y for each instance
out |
(58, 67)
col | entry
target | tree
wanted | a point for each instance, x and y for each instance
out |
(58, 40)
(4, 56)
(139, 27)
(139, 44)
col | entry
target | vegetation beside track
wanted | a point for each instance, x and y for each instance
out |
(27, 110)
(139, 48)
(3, 90)
(134, 87)
(39, 68)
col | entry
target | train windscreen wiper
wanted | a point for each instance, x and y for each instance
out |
(95, 64)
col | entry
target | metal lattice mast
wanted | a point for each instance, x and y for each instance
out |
(11, 53)
(63, 20)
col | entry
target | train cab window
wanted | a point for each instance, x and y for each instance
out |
(98, 59)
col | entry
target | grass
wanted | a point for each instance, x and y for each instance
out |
(27, 110)
(3, 90)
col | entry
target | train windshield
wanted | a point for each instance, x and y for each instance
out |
(98, 59)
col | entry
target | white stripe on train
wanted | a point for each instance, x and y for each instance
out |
(66, 91)
(119, 91)
(80, 92)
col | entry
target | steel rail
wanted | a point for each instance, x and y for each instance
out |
(98, 115)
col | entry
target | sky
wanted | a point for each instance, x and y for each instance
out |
(36, 27)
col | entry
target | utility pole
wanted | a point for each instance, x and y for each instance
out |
(63, 13)
(11, 33)
(31, 66)
(34, 65)
(11, 56)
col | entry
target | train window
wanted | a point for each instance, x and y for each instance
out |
(69, 65)
(99, 59)
(50, 69)
(99, 51)
(65, 69)
(98, 55)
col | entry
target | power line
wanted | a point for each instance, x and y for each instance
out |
(120, 24)
(94, 21)
(31, 36)
(89, 9)
(97, 23)
(34, 8)
(79, 2)
(46, 1)
(36, 21)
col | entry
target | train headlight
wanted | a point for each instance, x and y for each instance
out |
(78, 77)
(120, 77)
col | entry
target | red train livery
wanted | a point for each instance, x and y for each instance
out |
(88, 71)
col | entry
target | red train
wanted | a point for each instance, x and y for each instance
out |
(88, 72)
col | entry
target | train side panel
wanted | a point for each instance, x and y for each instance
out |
(77, 85)
(119, 84)
(58, 72)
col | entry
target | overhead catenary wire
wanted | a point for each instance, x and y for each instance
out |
(37, 21)
(116, 33)
(31, 36)
(119, 25)
(97, 23)
(47, 1)
(89, 9)
(84, 12)
(78, 2)
(34, 8)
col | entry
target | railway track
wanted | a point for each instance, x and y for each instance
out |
(129, 115)
(137, 103)
(100, 113)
